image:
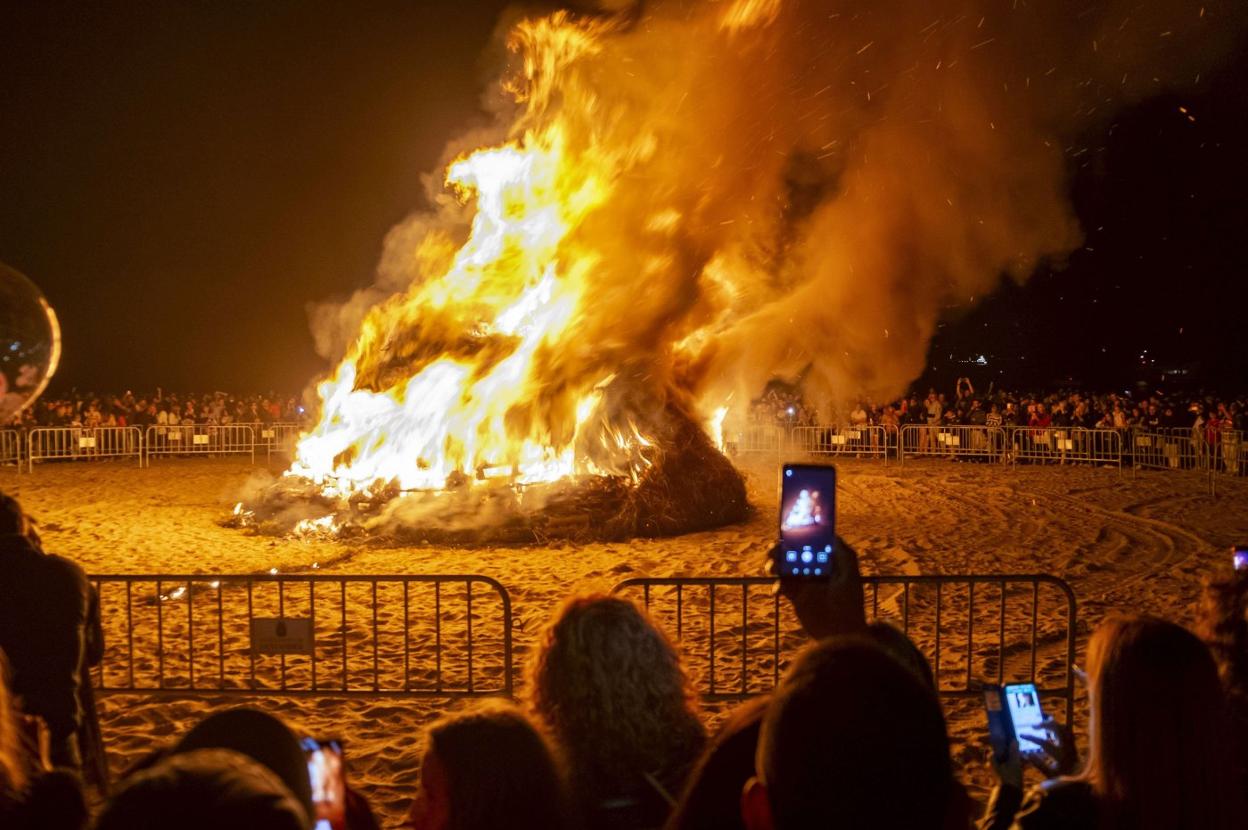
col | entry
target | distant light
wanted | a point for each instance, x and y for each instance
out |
(982, 361)
(792, 411)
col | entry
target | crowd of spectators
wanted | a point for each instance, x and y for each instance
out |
(1147, 411)
(161, 408)
(609, 736)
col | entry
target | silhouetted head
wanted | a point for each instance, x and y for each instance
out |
(1160, 752)
(712, 799)
(612, 690)
(485, 768)
(207, 789)
(263, 738)
(852, 738)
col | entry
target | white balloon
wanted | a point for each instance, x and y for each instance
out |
(30, 343)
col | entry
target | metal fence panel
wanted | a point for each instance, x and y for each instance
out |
(738, 637)
(1231, 453)
(82, 444)
(1065, 445)
(986, 443)
(858, 441)
(1169, 450)
(11, 447)
(276, 438)
(756, 438)
(305, 635)
(201, 439)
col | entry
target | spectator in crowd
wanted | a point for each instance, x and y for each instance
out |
(30, 798)
(1224, 628)
(267, 740)
(611, 690)
(1160, 754)
(825, 608)
(488, 768)
(851, 738)
(49, 628)
(207, 789)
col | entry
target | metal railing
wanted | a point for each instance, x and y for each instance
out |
(960, 623)
(988, 443)
(302, 635)
(1065, 445)
(82, 444)
(756, 439)
(1169, 450)
(201, 439)
(11, 447)
(858, 441)
(276, 438)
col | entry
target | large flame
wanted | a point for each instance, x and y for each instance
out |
(439, 388)
(689, 198)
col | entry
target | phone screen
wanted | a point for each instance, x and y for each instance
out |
(807, 520)
(1240, 557)
(329, 789)
(1023, 701)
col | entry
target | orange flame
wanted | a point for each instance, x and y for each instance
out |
(437, 387)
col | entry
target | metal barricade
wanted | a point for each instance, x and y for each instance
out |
(305, 635)
(960, 623)
(1178, 449)
(756, 438)
(201, 439)
(858, 441)
(11, 447)
(276, 438)
(1065, 445)
(986, 443)
(82, 444)
(1231, 453)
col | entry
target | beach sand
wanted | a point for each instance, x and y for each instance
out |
(1123, 542)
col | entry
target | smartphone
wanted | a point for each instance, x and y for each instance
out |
(1239, 556)
(807, 521)
(329, 787)
(1000, 732)
(1023, 703)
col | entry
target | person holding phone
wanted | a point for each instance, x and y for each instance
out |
(1160, 751)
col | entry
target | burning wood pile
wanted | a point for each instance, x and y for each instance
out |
(681, 483)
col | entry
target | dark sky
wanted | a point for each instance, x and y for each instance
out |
(182, 179)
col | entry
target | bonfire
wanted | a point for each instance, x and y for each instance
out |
(490, 400)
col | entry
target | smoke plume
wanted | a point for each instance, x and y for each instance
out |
(773, 188)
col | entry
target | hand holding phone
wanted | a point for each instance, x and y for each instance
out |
(1239, 558)
(1018, 726)
(807, 521)
(828, 606)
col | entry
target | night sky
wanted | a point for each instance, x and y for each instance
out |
(183, 179)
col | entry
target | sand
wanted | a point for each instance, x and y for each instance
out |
(1123, 542)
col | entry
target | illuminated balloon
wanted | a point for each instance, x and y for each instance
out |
(30, 343)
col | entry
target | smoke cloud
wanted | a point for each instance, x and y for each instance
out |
(793, 189)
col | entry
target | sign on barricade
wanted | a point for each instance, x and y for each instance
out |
(316, 634)
(83, 444)
(737, 636)
(858, 441)
(932, 440)
(201, 439)
(1065, 445)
